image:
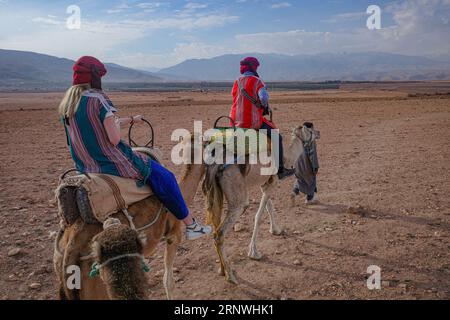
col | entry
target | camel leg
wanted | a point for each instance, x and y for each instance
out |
(219, 236)
(274, 228)
(218, 246)
(253, 251)
(169, 257)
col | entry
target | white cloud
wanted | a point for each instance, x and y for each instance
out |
(183, 23)
(150, 6)
(280, 5)
(181, 52)
(192, 6)
(119, 8)
(49, 20)
(348, 16)
(110, 37)
(421, 28)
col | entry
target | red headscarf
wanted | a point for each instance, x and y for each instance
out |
(249, 64)
(88, 70)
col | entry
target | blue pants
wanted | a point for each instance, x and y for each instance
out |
(166, 189)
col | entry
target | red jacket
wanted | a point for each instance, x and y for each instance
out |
(243, 112)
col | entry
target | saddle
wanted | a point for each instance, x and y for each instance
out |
(95, 197)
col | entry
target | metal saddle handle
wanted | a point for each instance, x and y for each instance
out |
(150, 143)
(224, 117)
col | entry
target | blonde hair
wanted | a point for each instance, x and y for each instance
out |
(71, 100)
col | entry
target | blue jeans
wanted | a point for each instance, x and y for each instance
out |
(166, 189)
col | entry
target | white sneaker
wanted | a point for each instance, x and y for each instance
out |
(196, 230)
(312, 201)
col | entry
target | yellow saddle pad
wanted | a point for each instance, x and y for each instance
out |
(236, 140)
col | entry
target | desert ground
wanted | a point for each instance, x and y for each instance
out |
(384, 191)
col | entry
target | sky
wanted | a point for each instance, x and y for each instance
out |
(156, 34)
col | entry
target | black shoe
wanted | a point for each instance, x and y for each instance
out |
(284, 173)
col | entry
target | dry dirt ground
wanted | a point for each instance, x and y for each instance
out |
(381, 149)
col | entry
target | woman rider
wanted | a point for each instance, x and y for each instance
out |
(93, 134)
(246, 114)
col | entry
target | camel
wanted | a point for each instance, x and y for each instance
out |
(73, 243)
(232, 183)
(117, 252)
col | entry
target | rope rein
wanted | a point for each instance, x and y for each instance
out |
(161, 207)
(95, 269)
(130, 220)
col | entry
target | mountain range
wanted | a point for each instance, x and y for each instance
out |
(29, 70)
(24, 70)
(369, 66)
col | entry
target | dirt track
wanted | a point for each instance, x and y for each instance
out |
(380, 149)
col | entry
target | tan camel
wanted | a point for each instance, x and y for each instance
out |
(118, 254)
(73, 244)
(232, 184)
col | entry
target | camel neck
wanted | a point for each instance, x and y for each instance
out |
(190, 181)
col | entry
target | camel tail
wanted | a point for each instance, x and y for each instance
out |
(214, 195)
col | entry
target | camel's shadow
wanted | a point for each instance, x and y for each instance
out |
(340, 209)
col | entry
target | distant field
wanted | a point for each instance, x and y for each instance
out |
(417, 87)
(169, 86)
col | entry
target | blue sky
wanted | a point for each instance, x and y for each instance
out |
(146, 34)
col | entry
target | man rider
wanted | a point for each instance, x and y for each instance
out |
(251, 103)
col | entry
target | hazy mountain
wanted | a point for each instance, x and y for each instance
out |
(29, 70)
(369, 66)
(21, 69)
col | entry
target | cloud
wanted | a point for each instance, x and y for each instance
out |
(192, 6)
(421, 28)
(348, 16)
(150, 6)
(183, 23)
(49, 20)
(110, 37)
(119, 8)
(280, 5)
(181, 52)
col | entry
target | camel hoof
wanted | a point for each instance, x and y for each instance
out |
(231, 278)
(276, 231)
(221, 272)
(255, 255)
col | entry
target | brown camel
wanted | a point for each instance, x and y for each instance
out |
(232, 183)
(73, 244)
(118, 254)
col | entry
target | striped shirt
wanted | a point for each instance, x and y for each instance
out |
(89, 144)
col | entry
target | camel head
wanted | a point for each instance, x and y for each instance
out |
(119, 261)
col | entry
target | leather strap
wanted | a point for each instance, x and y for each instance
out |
(116, 191)
(248, 96)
